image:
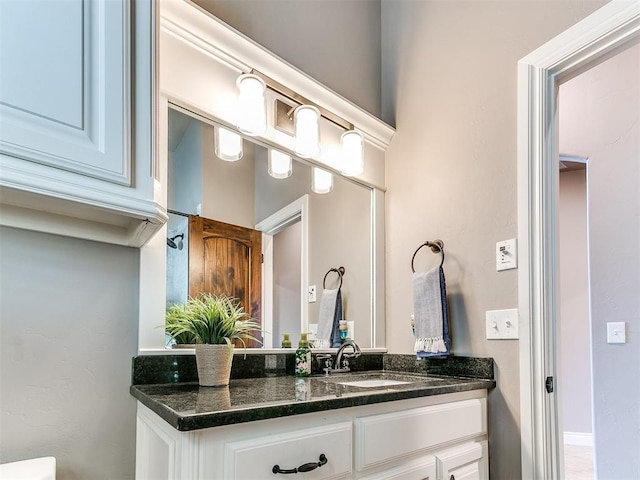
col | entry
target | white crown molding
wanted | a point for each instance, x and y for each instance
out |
(207, 33)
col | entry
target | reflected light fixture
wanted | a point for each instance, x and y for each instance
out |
(279, 164)
(322, 181)
(228, 144)
(252, 109)
(307, 131)
(352, 153)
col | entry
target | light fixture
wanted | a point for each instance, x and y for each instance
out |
(352, 153)
(228, 144)
(322, 181)
(252, 110)
(307, 128)
(279, 164)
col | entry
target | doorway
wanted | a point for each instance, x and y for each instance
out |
(288, 225)
(609, 31)
(574, 324)
(597, 111)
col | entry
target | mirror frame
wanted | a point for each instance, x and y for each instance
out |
(203, 51)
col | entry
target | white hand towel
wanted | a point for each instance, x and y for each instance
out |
(429, 313)
(325, 318)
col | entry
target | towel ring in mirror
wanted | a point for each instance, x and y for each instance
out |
(437, 246)
(340, 271)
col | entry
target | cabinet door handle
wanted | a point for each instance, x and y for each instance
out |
(306, 467)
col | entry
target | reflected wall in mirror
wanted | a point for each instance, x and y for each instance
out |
(303, 234)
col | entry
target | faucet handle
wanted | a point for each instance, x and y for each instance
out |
(328, 361)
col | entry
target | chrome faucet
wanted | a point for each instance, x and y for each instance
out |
(341, 363)
(342, 359)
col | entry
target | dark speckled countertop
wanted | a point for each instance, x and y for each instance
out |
(187, 406)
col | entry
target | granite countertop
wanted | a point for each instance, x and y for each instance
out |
(187, 406)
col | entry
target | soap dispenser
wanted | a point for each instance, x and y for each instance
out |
(303, 357)
(286, 341)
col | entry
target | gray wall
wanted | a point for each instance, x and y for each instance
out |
(574, 354)
(600, 117)
(68, 317)
(227, 187)
(340, 235)
(449, 85)
(184, 190)
(336, 42)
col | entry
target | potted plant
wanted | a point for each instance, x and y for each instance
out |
(213, 323)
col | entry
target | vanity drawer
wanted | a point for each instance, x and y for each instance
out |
(255, 458)
(387, 437)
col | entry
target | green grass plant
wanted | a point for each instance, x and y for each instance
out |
(210, 319)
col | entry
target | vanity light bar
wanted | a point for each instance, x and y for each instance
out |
(285, 122)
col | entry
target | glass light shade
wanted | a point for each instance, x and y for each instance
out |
(228, 144)
(279, 164)
(307, 127)
(252, 109)
(322, 181)
(352, 153)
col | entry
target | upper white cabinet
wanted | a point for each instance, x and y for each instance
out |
(76, 119)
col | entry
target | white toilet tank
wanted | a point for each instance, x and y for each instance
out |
(34, 469)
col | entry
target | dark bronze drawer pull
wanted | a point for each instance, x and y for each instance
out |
(307, 467)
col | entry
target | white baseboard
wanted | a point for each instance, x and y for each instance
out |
(577, 438)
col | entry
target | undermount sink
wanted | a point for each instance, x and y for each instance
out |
(377, 379)
(374, 383)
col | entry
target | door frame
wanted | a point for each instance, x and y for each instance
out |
(598, 37)
(296, 210)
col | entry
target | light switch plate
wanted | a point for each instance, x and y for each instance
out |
(506, 255)
(350, 330)
(502, 324)
(312, 293)
(313, 330)
(616, 332)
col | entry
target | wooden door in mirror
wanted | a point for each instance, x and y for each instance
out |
(226, 259)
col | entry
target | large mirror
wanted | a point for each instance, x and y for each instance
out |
(301, 234)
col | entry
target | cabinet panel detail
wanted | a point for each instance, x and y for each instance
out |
(420, 469)
(255, 458)
(415, 430)
(65, 86)
(465, 462)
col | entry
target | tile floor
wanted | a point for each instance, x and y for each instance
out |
(578, 462)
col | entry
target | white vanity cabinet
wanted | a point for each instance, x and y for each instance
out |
(441, 437)
(76, 119)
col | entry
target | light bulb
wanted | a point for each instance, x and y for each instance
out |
(307, 127)
(322, 181)
(252, 109)
(279, 164)
(228, 144)
(352, 153)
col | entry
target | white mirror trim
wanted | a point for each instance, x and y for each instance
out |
(190, 34)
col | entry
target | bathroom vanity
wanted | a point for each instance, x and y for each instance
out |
(365, 425)
(399, 423)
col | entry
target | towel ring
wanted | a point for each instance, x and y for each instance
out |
(339, 271)
(437, 246)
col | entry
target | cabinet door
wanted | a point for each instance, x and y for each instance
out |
(420, 469)
(162, 453)
(416, 430)
(64, 86)
(465, 462)
(254, 459)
